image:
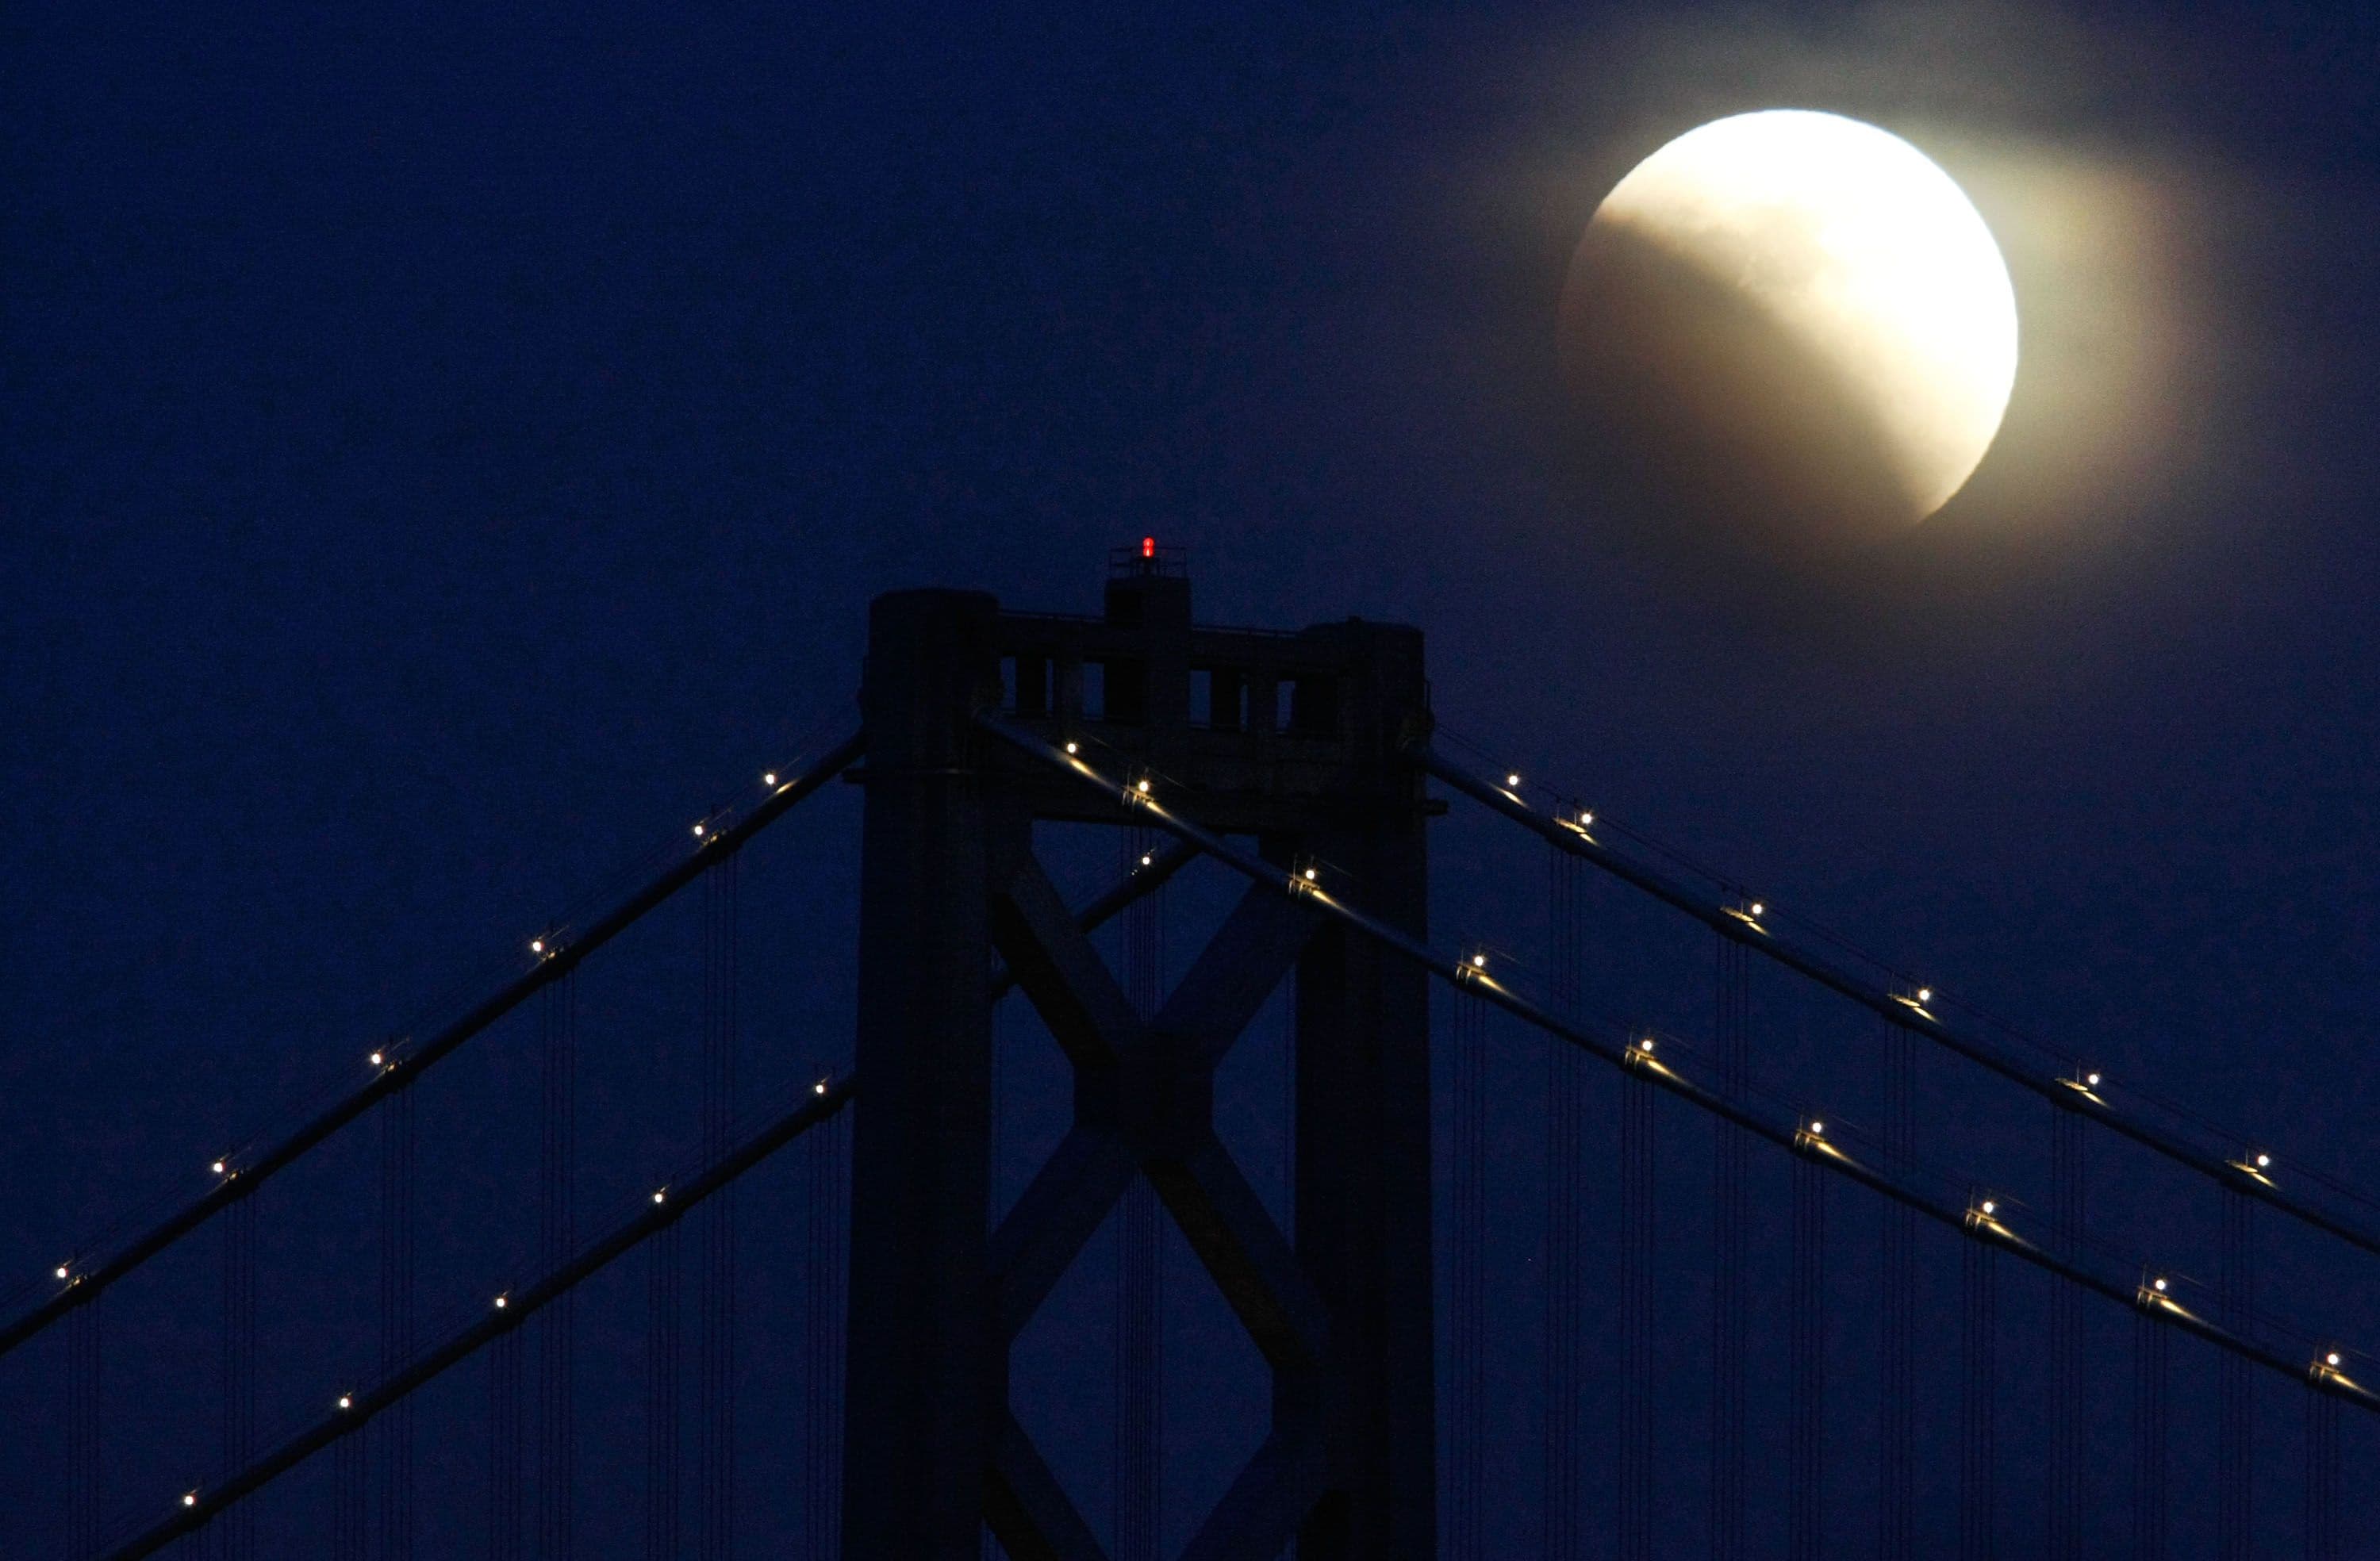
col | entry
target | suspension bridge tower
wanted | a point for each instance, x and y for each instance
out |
(1293, 739)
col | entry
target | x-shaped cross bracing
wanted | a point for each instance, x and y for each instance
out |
(1144, 1104)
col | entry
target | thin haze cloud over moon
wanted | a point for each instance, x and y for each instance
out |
(1791, 325)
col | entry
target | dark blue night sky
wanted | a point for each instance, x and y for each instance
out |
(443, 452)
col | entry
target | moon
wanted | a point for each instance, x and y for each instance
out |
(1792, 325)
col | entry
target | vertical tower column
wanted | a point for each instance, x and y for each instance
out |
(1363, 1133)
(921, 1344)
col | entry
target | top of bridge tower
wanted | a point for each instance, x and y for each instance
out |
(1263, 724)
(1148, 561)
(1148, 588)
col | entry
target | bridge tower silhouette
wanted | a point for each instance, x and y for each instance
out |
(1300, 767)
(1295, 739)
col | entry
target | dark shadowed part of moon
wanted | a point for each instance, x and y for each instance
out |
(1705, 411)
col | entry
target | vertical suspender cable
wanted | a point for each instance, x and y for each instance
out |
(2066, 1465)
(1565, 1539)
(557, 1433)
(2149, 1338)
(1978, 1401)
(663, 1276)
(996, 1186)
(504, 1446)
(1805, 1493)
(1466, 1450)
(395, 1427)
(1289, 1139)
(1140, 1352)
(2321, 1476)
(715, 1385)
(1636, 1209)
(1730, 1172)
(1896, 1512)
(823, 1374)
(2235, 1492)
(237, 1525)
(84, 1361)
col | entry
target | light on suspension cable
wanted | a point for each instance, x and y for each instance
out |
(1480, 962)
(502, 1302)
(377, 1059)
(347, 1401)
(2263, 1161)
(1926, 993)
(1759, 910)
(1990, 1206)
(536, 945)
(189, 1498)
(2331, 1360)
(698, 832)
(2160, 1284)
(1512, 780)
(2092, 1079)
(1645, 1045)
(1141, 785)
(1310, 876)
(1072, 747)
(659, 1194)
(1147, 859)
(818, 1088)
(1817, 1128)
(61, 1270)
(217, 1168)
(770, 779)
(1586, 818)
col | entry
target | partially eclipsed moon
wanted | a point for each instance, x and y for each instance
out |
(1791, 321)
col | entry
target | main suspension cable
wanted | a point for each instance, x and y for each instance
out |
(2239, 1166)
(1805, 1138)
(504, 1319)
(396, 1066)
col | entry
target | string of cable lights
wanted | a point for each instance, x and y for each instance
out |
(499, 1318)
(2242, 1163)
(1979, 1218)
(1880, 1146)
(1728, 890)
(546, 958)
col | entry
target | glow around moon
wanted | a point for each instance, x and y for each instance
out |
(1791, 322)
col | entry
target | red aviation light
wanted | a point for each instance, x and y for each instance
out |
(1148, 547)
